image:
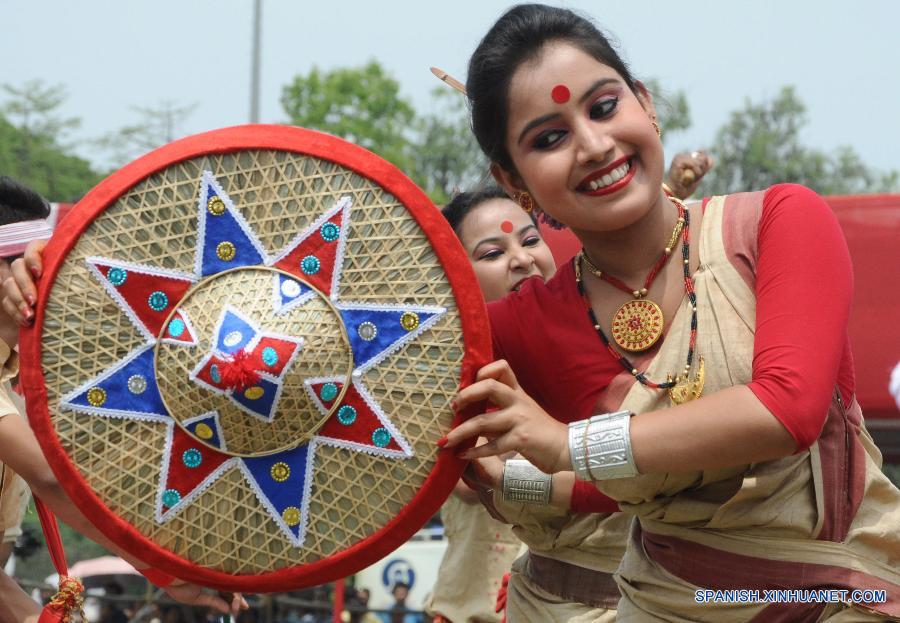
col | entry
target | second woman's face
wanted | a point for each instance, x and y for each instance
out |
(504, 247)
(581, 141)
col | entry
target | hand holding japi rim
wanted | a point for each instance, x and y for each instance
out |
(519, 424)
(662, 441)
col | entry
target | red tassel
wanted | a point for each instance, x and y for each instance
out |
(238, 373)
(52, 614)
(502, 596)
(67, 601)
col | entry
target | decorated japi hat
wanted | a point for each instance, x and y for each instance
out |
(244, 351)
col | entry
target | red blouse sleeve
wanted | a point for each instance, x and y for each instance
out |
(586, 498)
(804, 285)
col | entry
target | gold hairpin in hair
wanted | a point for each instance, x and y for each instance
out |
(447, 78)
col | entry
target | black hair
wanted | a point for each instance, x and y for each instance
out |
(519, 36)
(20, 203)
(463, 203)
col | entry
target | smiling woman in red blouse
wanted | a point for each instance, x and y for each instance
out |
(699, 355)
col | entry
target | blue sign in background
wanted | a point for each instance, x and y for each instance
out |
(398, 570)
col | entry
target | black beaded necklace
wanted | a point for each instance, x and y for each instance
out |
(692, 297)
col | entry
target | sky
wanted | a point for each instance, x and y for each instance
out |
(108, 57)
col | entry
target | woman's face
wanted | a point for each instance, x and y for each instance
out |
(581, 141)
(504, 247)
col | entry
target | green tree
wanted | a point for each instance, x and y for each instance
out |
(760, 146)
(362, 105)
(32, 143)
(157, 125)
(446, 155)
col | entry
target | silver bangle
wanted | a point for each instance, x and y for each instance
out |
(577, 448)
(523, 482)
(601, 447)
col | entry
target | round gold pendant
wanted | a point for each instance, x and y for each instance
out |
(637, 325)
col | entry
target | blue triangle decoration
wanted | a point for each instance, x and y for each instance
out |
(376, 332)
(281, 480)
(290, 293)
(259, 399)
(227, 240)
(211, 434)
(127, 389)
(234, 332)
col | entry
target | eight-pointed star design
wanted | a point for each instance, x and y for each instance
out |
(195, 450)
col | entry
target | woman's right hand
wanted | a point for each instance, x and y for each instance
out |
(518, 425)
(686, 171)
(19, 289)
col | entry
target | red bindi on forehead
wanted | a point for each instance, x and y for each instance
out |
(560, 94)
(506, 227)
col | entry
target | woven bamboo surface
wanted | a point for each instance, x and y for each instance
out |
(326, 352)
(388, 260)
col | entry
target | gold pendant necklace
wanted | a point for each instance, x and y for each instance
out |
(682, 387)
(638, 324)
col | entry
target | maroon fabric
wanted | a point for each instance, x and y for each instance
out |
(741, 233)
(790, 613)
(715, 569)
(843, 463)
(571, 582)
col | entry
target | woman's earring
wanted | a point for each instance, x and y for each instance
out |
(523, 198)
(656, 127)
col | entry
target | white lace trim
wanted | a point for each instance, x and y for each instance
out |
(120, 300)
(437, 312)
(209, 180)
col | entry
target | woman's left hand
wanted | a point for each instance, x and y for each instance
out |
(487, 472)
(519, 425)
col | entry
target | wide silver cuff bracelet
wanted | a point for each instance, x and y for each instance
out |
(523, 482)
(601, 447)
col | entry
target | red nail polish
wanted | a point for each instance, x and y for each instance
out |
(35, 271)
(30, 298)
(442, 441)
(453, 405)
